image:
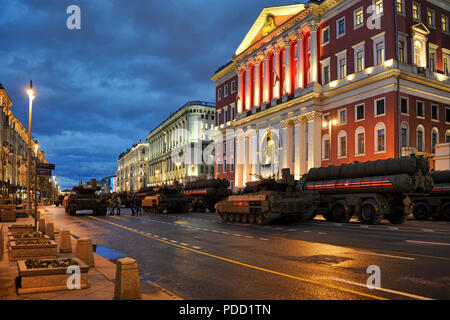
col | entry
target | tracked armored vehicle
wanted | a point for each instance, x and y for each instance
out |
(84, 197)
(204, 194)
(164, 199)
(267, 200)
(436, 204)
(370, 190)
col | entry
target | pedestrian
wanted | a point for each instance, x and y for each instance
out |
(118, 205)
(132, 202)
(139, 205)
(111, 205)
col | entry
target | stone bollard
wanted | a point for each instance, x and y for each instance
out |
(128, 283)
(42, 226)
(50, 230)
(85, 252)
(65, 245)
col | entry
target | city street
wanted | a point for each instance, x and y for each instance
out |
(198, 256)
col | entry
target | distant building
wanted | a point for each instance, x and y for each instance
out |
(131, 168)
(109, 184)
(176, 146)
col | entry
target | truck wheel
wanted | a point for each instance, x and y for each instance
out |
(370, 213)
(340, 212)
(244, 218)
(72, 211)
(251, 218)
(422, 211)
(445, 212)
(237, 217)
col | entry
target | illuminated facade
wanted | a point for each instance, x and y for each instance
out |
(381, 93)
(131, 168)
(173, 143)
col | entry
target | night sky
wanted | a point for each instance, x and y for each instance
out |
(103, 88)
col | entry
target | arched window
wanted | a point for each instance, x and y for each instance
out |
(420, 138)
(447, 136)
(404, 134)
(325, 147)
(360, 141)
(342, 144)
(434, 138)
(380, 137)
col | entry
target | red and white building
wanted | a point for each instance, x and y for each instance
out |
(374, 71)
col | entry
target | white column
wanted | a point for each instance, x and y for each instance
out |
(290, 146)
(313, 58)
(257, 103)
(276, 62)
(239, 94)
(253, 156)
(300, 60)
(287, 67)
(284, 140)
(266, 84)
(314, 139)
(248, 89)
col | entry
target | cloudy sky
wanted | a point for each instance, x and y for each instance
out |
(104, 87)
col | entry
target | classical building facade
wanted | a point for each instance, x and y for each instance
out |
(131, 168)
(333, 81)
(181, 147)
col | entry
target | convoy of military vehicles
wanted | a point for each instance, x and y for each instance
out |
(389, 189)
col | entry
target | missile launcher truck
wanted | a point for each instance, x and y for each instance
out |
(370, 190)
(267, 200)
(165, 199)
(436, 204)
(84, 197)
(204, 194)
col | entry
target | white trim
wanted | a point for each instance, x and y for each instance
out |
(379, 126)
(435, 105)
(355, 26)
(357, 49)
(423, 109)
(356, 111)
(321, 36)
(407, 105)
(440, 22)
(337, 28)
(422, 128)
(408, 140)
(377, 40)
(375, 107)
(358, 131)
(340, 123)
(433, 17)
(405, 47)
(325, 137)
(326, 63)
(418, 12)
(340, 135)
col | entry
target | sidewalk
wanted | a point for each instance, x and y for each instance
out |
(101, 277)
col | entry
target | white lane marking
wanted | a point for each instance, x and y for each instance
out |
(195, 247)
(385, 255)
(224, 232)
(264, 239)
(427, 230)
(392, 228)
(410, 295)
(291, 230)
(174, 241)
(237, 235)
(306, 231)
(164, 239)
(250, 237)
(214, 231)
(427, 242)
(183, 244)
(323, 233)
(364, 226)
(337, 224)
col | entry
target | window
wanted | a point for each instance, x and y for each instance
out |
(225, 91)
(342, 144)
(325, 147)
(380, 52)
(224, 165)
(326, 74)
(447, 114)
(232, 112)
(340, 26)
(434, 139)
(325, 35)
(380, 137)
(399, 4)
(360, 137)
(379, 107)
(430, 18)
(415, 11)
(225, 115)
(434, 112)
(444, 24)
(219, 94)
(342, 116)
(419, 109)
(420, 139)
(218, 117)
(446, 71)
(360, 112)
(359, 61)
(342, 68)
(447, 136)
(404, 132)
(401, 51)
(218, 168)
(432, 56)
(358, 17)
(404, 105)
(233, 86)
(378, 7)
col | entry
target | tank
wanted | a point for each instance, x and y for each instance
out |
(84, 197)
(204, 194)
(436, 204)
(164, 199)
(267, 200)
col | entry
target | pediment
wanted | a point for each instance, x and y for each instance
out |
(420, 28)
(268, 20)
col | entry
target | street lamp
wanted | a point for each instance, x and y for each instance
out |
(31, 96)
(329, 124)
(36, 148)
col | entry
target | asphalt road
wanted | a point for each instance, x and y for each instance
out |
(197, 256)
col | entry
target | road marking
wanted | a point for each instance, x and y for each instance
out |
(250, 237)
(410, 295)
(364, 226)
(392, 228)
(164, 239)
(431, 243)
(427, 230)
(264, 239)
(306, 231)
(195, 247)
(385, 255)
(183, 244)
(323, 233)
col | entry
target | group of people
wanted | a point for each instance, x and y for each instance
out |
(115, 203)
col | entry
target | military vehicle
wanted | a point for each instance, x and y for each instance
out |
(267, 200)
(84, 197)
(59, 200)
(204, 194)
(436, 204)
(165, 199)
(370, 190)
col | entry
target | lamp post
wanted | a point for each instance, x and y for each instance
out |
(31, 96)
(36, 147)
(54, 191)
(329, 124)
